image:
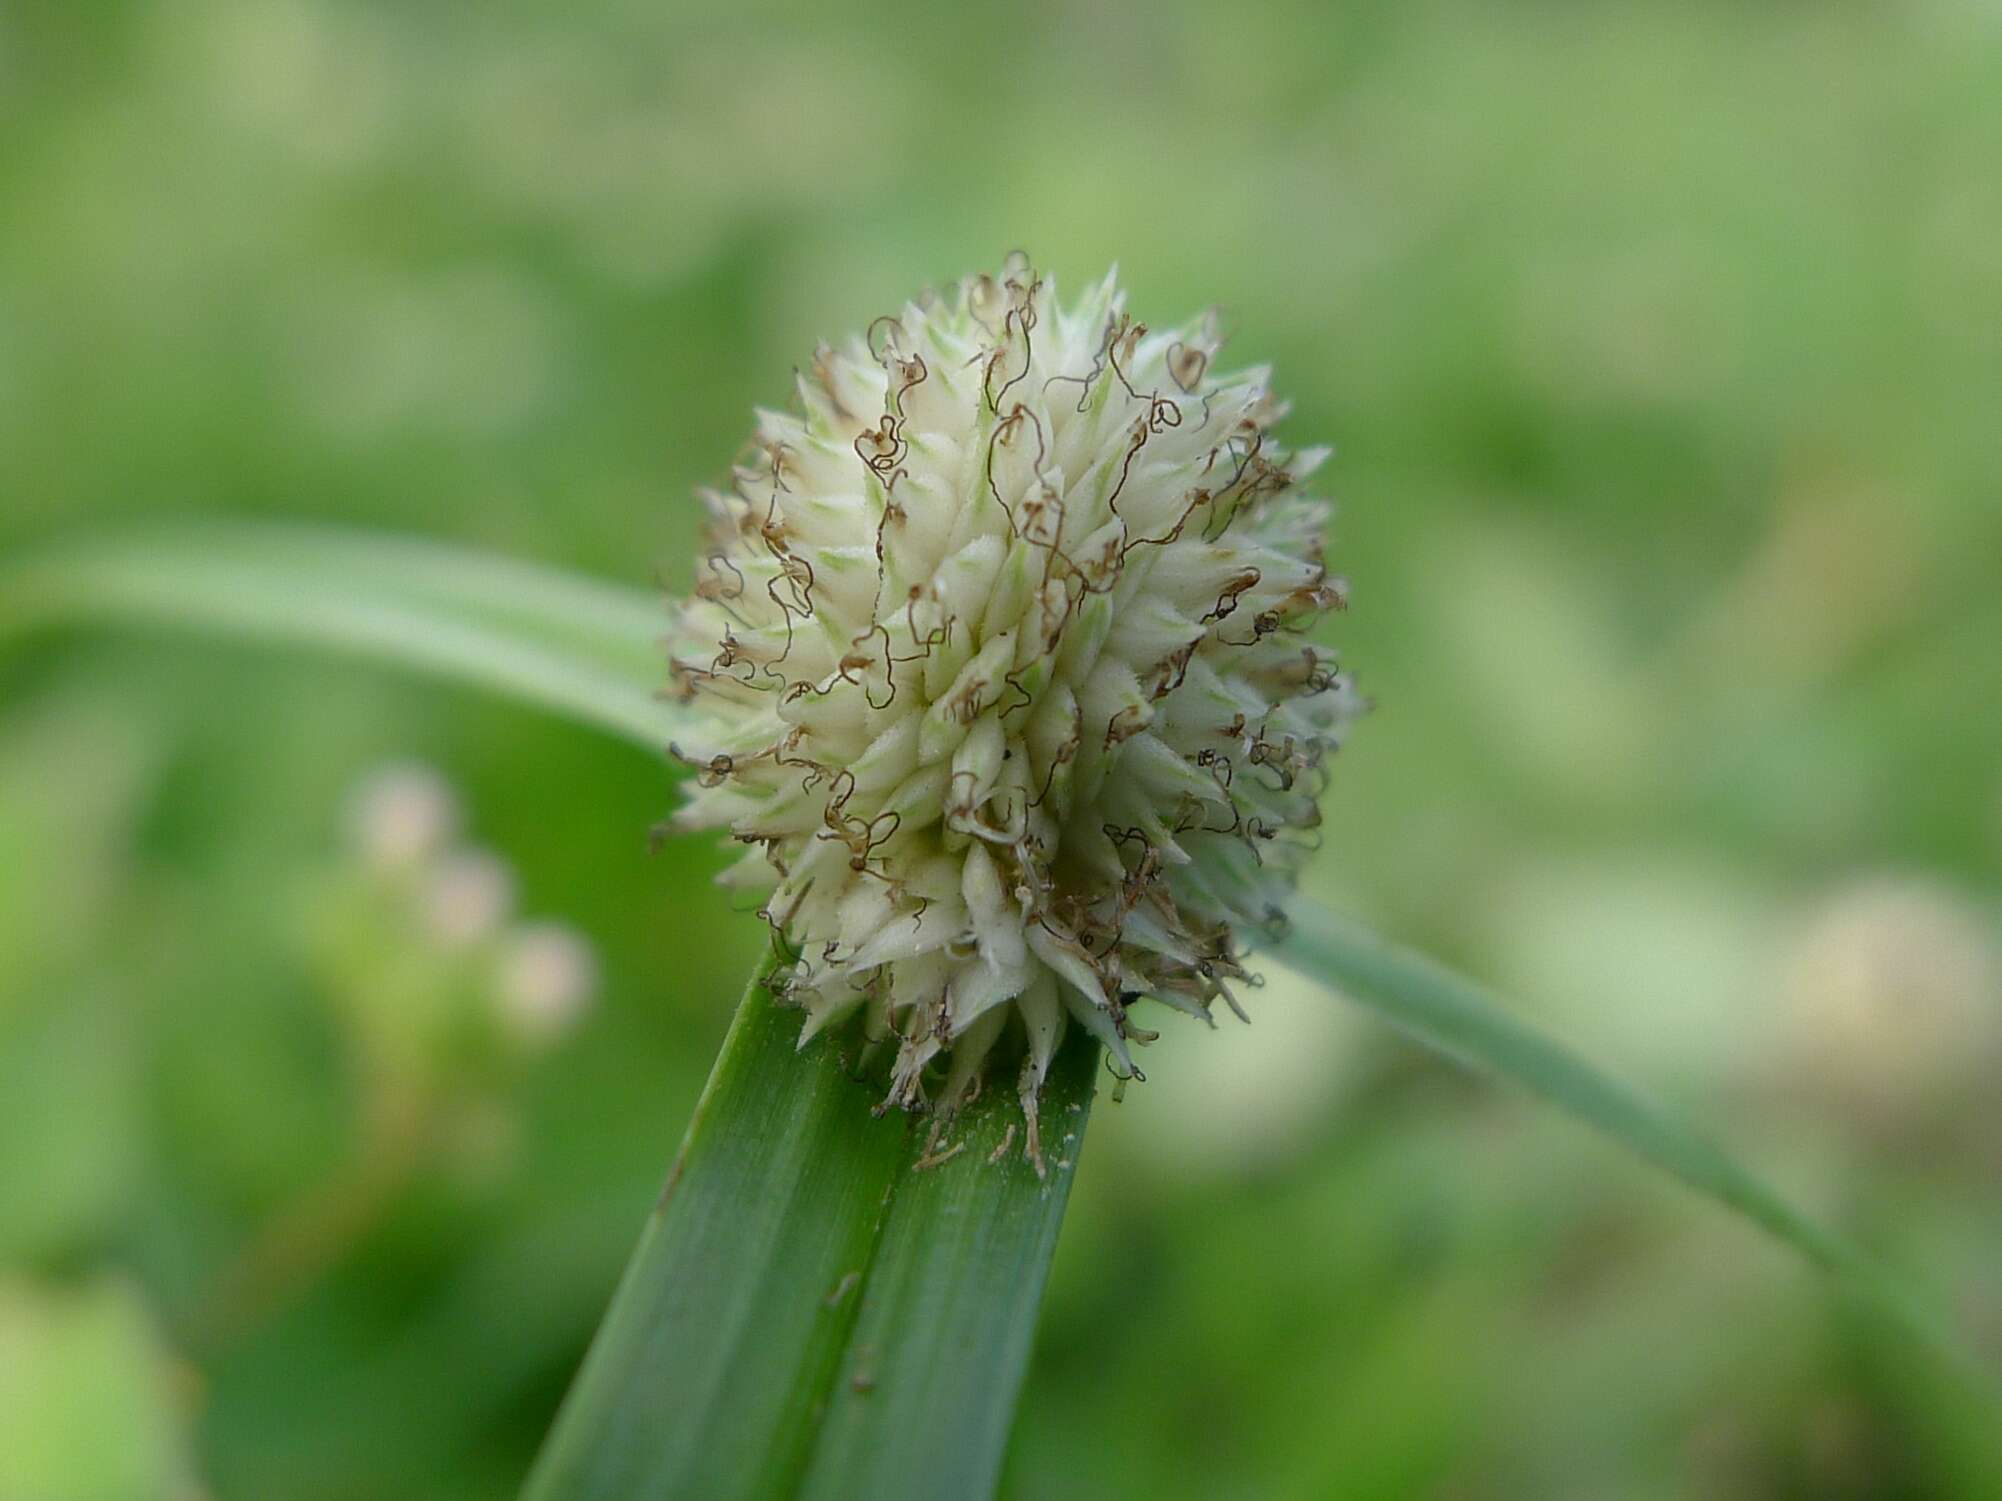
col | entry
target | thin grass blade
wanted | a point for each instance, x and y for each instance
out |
(820, 1305)
(929, 1381)
(582, 649)
(1457, 1018)
(714, 1361)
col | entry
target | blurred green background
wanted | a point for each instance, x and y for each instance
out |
(1662, 346)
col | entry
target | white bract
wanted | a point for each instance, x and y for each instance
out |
(1001, 645)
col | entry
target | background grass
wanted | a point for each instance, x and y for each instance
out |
(1661, 346)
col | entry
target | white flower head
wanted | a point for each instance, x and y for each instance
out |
(468, 897)
(1001, 646)
(402, 815)
(548, 976)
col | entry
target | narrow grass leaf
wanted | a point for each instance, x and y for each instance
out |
(714, 1360)
(930, 1377)
(582, 649)
(1457, 1018)
(825, 1301)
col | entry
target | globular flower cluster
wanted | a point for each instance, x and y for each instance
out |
(1000, 647)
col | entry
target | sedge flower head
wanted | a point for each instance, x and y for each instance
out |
(1000, 653)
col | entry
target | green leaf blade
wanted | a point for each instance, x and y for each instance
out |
(939, 1352)
(1455, 1017)
(583, 649)
(817, 1306)
(708, 1372)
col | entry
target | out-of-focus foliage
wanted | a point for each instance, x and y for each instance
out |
(1662, 346)
(90, 1405)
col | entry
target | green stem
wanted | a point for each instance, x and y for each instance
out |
(826, 1301)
